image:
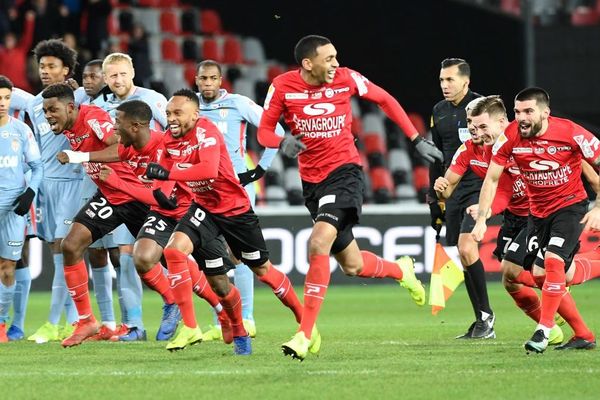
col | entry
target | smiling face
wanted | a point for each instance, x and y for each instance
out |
(489, 127)
(321, 68)
(532, 118)
(52, 70)
(209, 82)
(182, 114)
(60, 115)
(475, 137)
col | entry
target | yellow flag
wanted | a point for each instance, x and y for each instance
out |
(445, 278)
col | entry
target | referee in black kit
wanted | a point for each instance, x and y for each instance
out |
(449, 131)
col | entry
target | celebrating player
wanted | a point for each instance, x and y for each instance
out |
(231, 113)
(315, 102)
(548, 152)
(221, 206)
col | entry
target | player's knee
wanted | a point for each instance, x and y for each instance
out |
(219, 284)
(71, 247)
(143, 261)
(318, 244)
(98, 258)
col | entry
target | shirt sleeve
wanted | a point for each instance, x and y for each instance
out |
(102, 126)
(502, 149)
(436, 169)
(273, 109)
(503, 194)
(588, 144)
(159, 105)
(461, 160)
(31, 155)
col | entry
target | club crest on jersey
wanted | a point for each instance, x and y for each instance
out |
(318, 109)
(223, 113)
(329, 93)
(15, 145)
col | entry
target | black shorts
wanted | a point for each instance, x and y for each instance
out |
(101, 217)
(511, 226)
(242, 233)
(457, 219)
(523, 249)
(337, 200)
(213, 253)
(559, 233)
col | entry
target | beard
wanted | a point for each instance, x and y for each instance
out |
(534, 129)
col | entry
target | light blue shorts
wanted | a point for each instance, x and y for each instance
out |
(58, 203)
(122, 236)
(12, 235)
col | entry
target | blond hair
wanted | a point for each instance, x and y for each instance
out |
(114, 58)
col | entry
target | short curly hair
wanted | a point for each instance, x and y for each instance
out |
(56, 48)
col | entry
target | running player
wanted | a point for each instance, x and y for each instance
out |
(548, 152)
(231, 113)
(198, 156)
(315, 102)
(89, 128)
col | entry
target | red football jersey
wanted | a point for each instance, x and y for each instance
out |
(323, 115)
(154, 151)
(511, 188)
(89, 133)
(223, 195)
(550, 164)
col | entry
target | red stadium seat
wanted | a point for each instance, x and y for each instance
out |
(232, 51)
(189, 73)
(169, 23)
(170, 51)
(210, 21)
(584, 16)
(382, 184)
(210, 50)
(374, 143)
(511, 6)
(421, 177)
(167, 3)
(274, 71)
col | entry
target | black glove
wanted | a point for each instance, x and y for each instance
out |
(438, 214)
(427, 149)
(168, 203)
(157, 171)
(23, 202)
(291, 145)
(251, 175)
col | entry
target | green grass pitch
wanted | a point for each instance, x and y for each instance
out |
(376, 345)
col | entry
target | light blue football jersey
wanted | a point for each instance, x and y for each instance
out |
(231, 113)
(19, 100)
(17, 146)
(156, 101)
